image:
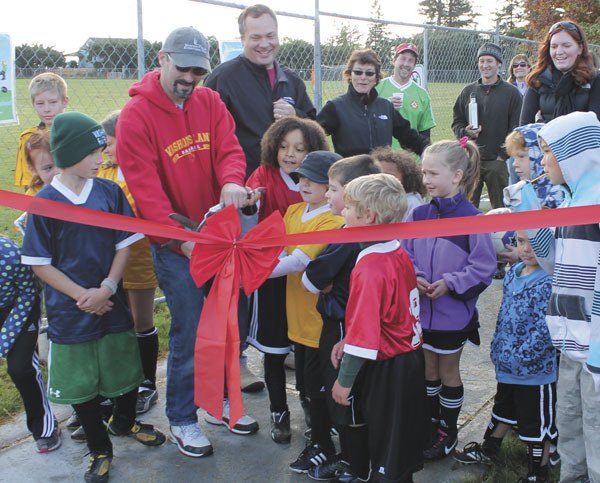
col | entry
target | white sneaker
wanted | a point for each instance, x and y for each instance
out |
(190, 440)
(245, 425)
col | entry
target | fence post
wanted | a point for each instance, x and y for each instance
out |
(425, 56)
(140, 41)
(317, 60)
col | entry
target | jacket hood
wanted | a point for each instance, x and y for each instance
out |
(574, 139)
(150, 88)
(549, 195)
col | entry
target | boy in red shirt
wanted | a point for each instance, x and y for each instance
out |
(380, 359)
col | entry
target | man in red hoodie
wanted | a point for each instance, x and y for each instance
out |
(178, 152)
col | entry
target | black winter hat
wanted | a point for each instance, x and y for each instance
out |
(489, 48)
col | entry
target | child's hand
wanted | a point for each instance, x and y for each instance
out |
(340, 394)
(437, 289)
(337, 353)
(510, 255)
(95, 300)
(327, 289)
(422, 285)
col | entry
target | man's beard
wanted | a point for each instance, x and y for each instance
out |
(183, 90)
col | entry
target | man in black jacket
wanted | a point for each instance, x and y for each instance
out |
(255, 88)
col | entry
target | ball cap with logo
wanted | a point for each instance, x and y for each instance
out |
(73, 136)
(188, 48)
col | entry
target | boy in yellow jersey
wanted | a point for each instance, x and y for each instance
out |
(49, 98)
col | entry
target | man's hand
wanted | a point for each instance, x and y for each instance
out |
(234, 194)
(337, 353)
(186, 248)
(282, 109)
(473, 133)
(340, 394)
(396, 101)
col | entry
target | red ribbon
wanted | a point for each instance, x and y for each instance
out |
(228, 258)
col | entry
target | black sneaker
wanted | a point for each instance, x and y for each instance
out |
(97, 471)
(312, 455)
(52, 442)
(73, 422)
(144, 433)
(329, 470)
(280, 427)
(444, 445)
(79, 435)
(554, 458)
(473, 453)
(145, 400)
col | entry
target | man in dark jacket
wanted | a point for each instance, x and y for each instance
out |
(255, 88)
(498, 109)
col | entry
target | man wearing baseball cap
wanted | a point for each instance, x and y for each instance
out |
(411, 100)
(179, 154)
(498, 110)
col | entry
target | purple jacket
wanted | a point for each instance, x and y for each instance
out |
(467, 264)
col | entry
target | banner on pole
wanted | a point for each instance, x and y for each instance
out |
(8, 106)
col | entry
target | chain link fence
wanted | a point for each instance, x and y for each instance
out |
(99, 73)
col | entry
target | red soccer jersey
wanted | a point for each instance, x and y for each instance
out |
(281, 190)
(382, 316)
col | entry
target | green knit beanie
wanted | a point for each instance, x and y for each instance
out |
(73, 136)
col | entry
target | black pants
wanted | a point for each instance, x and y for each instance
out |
(23, 367)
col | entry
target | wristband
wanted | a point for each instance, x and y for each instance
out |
(110, 284)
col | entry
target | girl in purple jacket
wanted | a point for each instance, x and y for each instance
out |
(451, 273)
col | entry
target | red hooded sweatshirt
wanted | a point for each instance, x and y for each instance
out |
(176, 160)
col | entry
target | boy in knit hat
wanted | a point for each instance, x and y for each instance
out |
(93, 346)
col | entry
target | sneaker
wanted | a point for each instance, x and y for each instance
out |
(190, 440)
(73, 422)
(329, 471)
(145, 400)
(144, 433)
(472, 453)
(500, 272)
(248, 381)
(245, 425)
(52, 442)
(97, 470)
(312, 455)
(444, 445)
(79, 435)
(349, 476)
(554, 458)
(280, 427)
(541, 475)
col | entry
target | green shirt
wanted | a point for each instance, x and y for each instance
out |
(416, 104)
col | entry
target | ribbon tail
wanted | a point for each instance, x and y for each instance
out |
(232, 357)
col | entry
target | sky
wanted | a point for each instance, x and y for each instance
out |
(67, 24)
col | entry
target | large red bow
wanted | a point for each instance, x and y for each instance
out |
(221, 253)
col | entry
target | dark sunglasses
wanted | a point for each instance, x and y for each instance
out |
(564, 25)
(368, 73)
(199, 71)
(520, 64)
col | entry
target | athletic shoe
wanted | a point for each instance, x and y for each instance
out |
(542, 474)
(473, 453)
(79, 435)
(146, 399)
(190, 440)
(443, 446)
(97, 470)
(349, 476)
(248, 381)
(280, 427)
(554, 458)
(144, 433)
(312, 455)
(329, 471)
(245, 425)
(73, 422)
(52, 442)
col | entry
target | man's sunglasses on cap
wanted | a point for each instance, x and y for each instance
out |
(195, 70)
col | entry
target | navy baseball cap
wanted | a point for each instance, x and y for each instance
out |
(315, 166)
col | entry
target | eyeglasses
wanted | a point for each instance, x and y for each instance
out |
(564, 25)
(520, 64)
(198, 71)
(368, 73)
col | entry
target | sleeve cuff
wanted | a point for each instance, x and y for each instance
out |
(362, 352)
(308, 285)
(130, 240)
(35, 260)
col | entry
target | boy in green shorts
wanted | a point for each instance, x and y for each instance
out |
(93, 349)
(49, 98)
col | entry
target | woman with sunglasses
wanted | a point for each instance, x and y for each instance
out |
(517, 72)
(359, 120)
(564, 77)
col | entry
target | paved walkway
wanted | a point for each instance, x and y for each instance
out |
(252, 458)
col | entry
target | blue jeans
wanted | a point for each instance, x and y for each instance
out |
(185, 302)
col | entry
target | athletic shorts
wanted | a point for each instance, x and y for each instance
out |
(449, 342)
(139, 272)
(268, 320)
(108, 367)
(394, 401)
(531, 408)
